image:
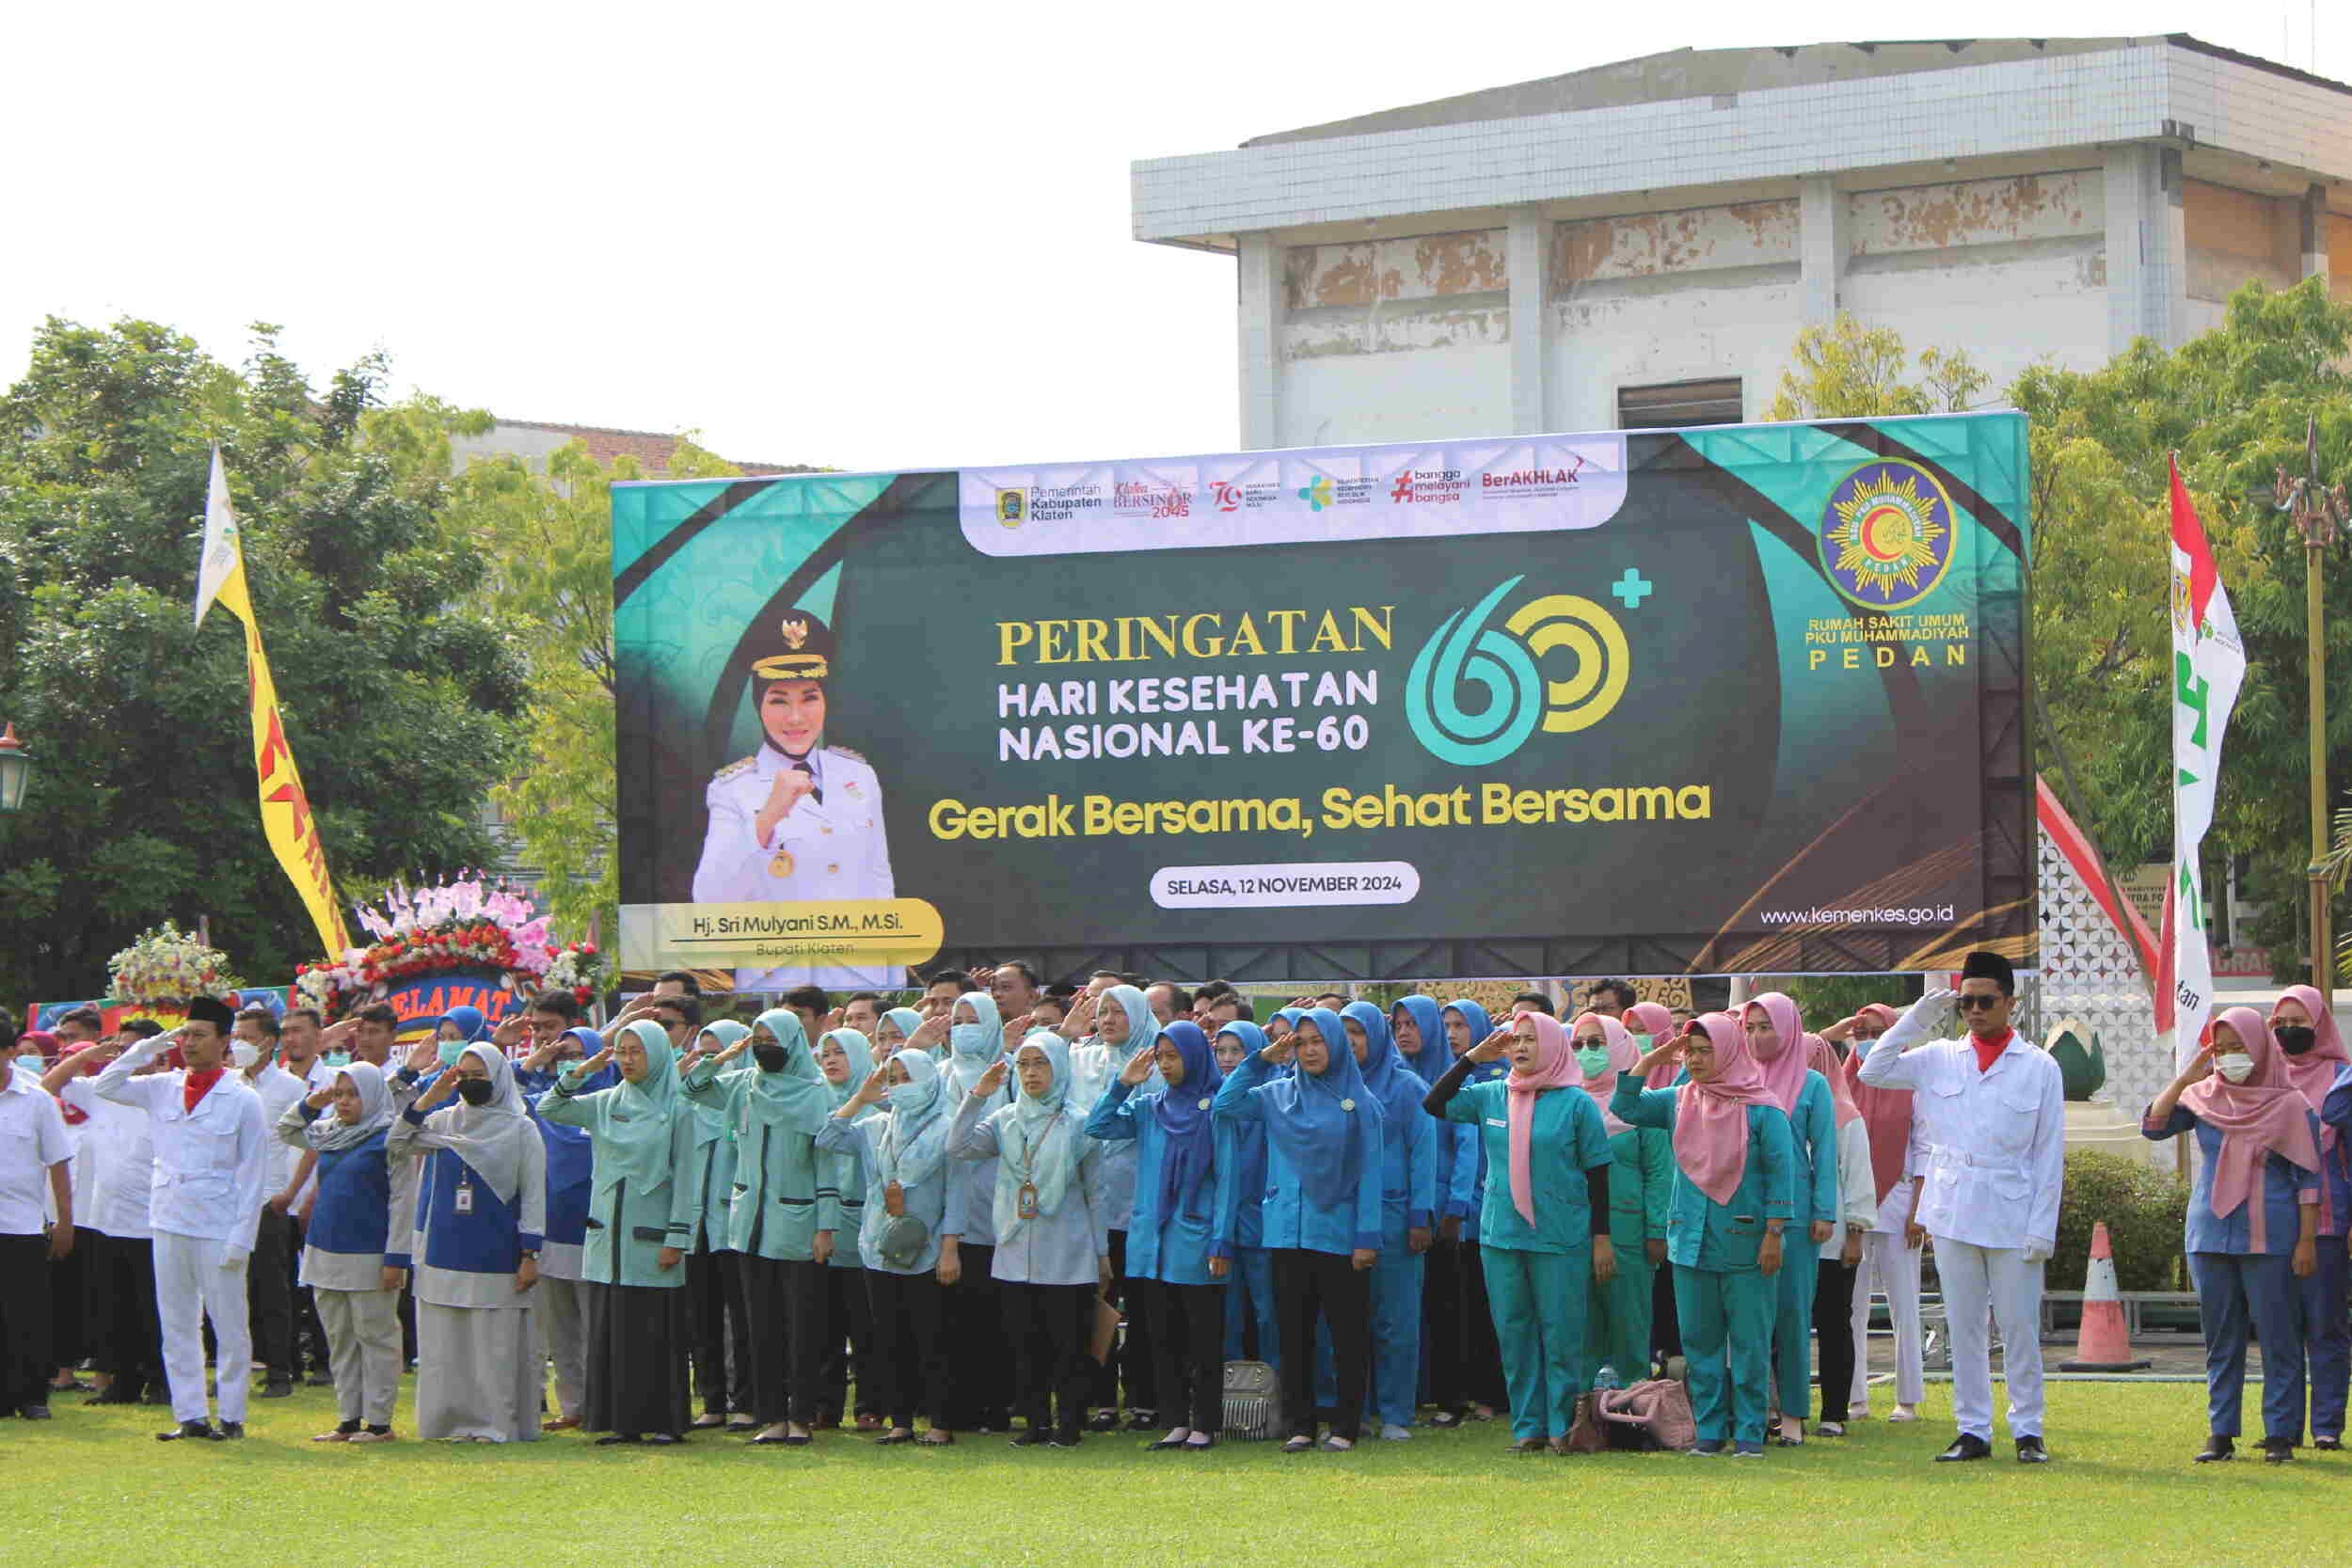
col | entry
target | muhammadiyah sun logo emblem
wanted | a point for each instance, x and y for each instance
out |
(1887, 534)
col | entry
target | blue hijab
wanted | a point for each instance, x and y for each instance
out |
(1480, 1027)
(471, 1025)
(1430, 1021)
(604, 1077)
(1385, 1072)
(1187, 1148)
(1317, 1120)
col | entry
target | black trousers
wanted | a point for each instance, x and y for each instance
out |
(127, 1337)
(848, 1349)
(1190, 1347)
(979, 1384)
(910, 1356)
(1328, 1283)
(269, 1294)
(1833, 1326)
(1445, 1331)
(1050, 1327)
(636, 1360)
(1133, 1360)
(1665, 1325)
(26, 1363)
(715, 1310)
(1482, 1352)
(69, 1301)
(785, 1304)
(309, 1334)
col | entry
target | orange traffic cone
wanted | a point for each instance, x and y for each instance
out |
(2103, 1345)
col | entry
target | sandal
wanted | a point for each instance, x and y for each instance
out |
(1338, 1444)
(1528, 1444)
(935, 1440)
(1299, 1445)
(1447, 1418)
(1482, 1412)
(891, 1439)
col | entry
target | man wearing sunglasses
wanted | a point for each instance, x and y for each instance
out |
(1993, 1113)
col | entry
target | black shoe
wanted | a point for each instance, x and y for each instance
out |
(1143, 1420)
(228, 1430)
(2218, 1449)
(1969, 1446)
(2278, 1451)
(2030, 1451)
(33, 1412)
(2327, 1445)
(1033, 1438)
(321, 1377)
(1104, 1420)
(189, 1428)
(276, 1388)
(614, 1439)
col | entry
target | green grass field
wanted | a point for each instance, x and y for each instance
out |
(93, 1486)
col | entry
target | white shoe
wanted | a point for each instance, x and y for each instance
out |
(1904, 1413)
(1394, 1433)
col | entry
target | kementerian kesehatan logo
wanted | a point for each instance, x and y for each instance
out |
(1887, 534)
(1514, 691)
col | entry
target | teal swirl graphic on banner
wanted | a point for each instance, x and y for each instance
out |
(1465, 651)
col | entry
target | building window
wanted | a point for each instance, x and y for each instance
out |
(1677, 403)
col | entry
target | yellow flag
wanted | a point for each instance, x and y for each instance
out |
(285, 808)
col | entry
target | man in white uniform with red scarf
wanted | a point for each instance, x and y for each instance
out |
(212, 1157)
(1991, 1110)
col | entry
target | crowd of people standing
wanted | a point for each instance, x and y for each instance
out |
(830, 1216)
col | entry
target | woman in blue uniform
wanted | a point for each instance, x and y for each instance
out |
(1323, 1208)
(1179, 1247)
(1775, 1031)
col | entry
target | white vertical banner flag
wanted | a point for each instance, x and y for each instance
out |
(223, 551)
(2208, 667)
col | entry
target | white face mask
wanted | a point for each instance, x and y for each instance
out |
(245, 1055)
(2237, 1066)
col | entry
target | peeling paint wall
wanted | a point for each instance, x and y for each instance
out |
(1649, 245)
(2022, 209)
(1377, 272)
(2236, 236)
(1396, 339)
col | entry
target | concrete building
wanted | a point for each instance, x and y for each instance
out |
(1639, 243)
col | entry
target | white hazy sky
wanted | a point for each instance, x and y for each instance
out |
(867, 236)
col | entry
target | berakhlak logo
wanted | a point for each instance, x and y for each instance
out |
(1012, 506)
(1316, 493)
(1505, 663)
(1887, 536)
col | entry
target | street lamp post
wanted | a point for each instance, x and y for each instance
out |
(2317, 512)
(16, 770)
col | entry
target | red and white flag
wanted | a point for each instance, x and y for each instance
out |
(2208, 667)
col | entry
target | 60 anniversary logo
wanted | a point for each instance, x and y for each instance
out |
(1502, 662)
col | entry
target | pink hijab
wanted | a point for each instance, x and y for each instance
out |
(1783, 1073)
(1555, 1069)
(2315, 1072)
(2264, 1115)
(1652, 1019)
(1623, 1053)
(1823, 1060)
(1711, 1118)
(1885, 1112)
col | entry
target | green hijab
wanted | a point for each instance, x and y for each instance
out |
(710, 1124)
(632, 1136)
(768, 1096)
(861, 1053)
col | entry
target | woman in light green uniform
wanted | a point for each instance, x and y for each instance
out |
(1775, 1031)
(1641, 1180)
(1543, 1231)
(1733, 1192)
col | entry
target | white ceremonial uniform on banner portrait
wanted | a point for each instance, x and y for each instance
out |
(826, 850)
(210, 1164)
(1996, 1161)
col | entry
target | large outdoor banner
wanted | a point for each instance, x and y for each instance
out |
(1736, 700)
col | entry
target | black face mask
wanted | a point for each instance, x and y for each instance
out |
(2295, 1038)
(474, 1092)
(770, 1057)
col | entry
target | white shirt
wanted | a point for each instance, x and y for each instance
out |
(1995, 1155)
(32, 1139)
(210, 1163)
(115, 1200)
(279, 1088)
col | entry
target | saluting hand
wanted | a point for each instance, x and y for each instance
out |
(1278, 1052)
(597, 1063)
(991, 1080)
(1841, 1030)
(931, 1031)
(424, 1055)
(1666, 1053)
(1491, 1048)
(319, 1100)
(1139, 1067)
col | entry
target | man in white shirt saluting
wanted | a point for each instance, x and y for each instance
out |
(1992, 1109)
(212, 1156)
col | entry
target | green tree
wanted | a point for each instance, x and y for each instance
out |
(547, 538)
(1846, 371)
(2233, 404)
(398, 706)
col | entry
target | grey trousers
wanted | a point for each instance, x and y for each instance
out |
(363, 1349)
(563, 1308)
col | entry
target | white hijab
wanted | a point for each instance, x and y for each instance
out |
(491, 1138)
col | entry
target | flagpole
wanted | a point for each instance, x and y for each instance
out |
(2317, 513)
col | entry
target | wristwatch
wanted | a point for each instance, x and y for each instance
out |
(532, 1255)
